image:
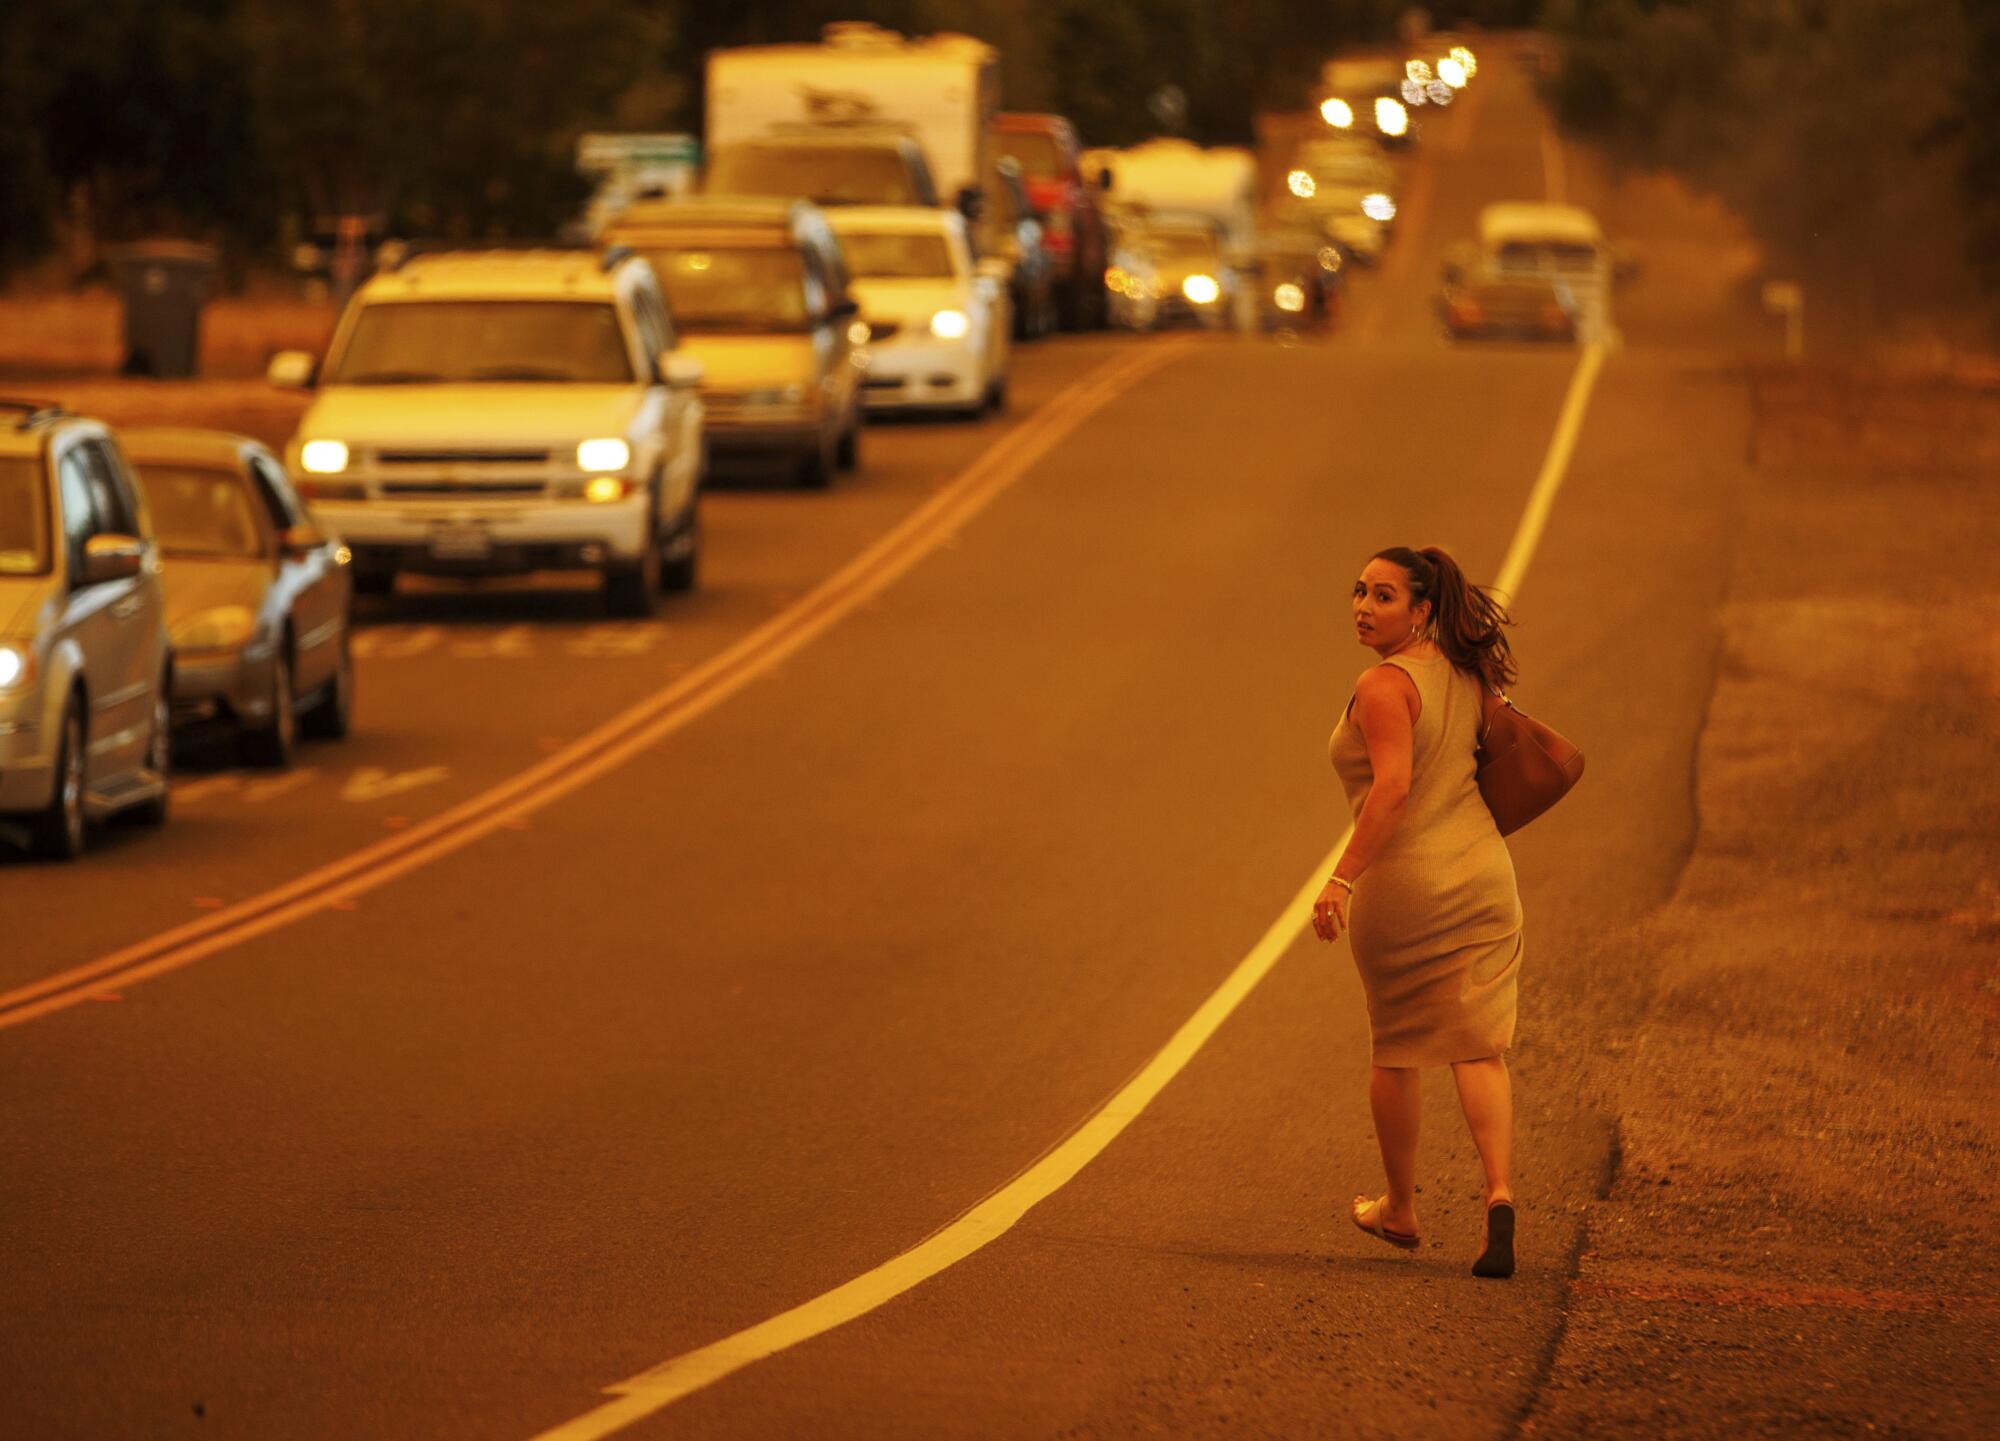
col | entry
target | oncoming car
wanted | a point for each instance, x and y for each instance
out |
(938, 325)
(500, 412)
(759, 294)
(258, 596)
(84, 661)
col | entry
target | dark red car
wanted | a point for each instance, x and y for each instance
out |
(1046, 149)
(1507, 308)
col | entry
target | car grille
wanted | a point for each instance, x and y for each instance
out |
(405, 489)
(882, 329)
(462, 457)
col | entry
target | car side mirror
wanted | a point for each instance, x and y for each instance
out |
(971, 203)
(292, 370)
(301, 539)
(682, 372)
(111, 557)
(845, 309)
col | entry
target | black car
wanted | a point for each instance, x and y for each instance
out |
(1298, 278)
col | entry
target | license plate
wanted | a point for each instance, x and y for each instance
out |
(461, 542)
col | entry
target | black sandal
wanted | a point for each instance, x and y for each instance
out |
(1497, 1260)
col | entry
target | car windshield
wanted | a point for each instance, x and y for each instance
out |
(1545, 255)
(1349, 170)
(475, 341)
(1036, 153)
(824, 174)
(24, 516)
(201, 510)
(737, 289)
(1183, 247)
(897, 257)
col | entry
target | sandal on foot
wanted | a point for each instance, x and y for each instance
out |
(1372, 1210)
(1497, 1260)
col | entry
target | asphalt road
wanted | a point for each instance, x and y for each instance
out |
(918, 870)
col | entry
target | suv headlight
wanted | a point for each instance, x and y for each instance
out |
(1379, 207)
(224, 627)
(1201, 289)
(950, 324)
(324, 457)
(17, 667)
(603, 454)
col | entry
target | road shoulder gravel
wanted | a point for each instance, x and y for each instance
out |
(1796, 1240)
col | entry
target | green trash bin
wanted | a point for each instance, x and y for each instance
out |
(162, 285)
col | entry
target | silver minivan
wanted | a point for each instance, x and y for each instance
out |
(85, 670)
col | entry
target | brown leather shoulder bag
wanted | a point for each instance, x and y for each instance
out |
(1523, 767)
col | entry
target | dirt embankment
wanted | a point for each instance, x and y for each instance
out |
(1801, 1237)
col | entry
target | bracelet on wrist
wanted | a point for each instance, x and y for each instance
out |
(1343, 882)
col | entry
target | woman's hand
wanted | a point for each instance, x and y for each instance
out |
(1330, 911)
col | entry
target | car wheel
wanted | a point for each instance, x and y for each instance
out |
(57, 833)
(818, 465)
(332, 714)
(680, 571)
(996, 394)
(849, 454)
(159, 755)
(273, 743)
(632, 590)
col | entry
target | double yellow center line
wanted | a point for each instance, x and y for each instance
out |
(618, 739)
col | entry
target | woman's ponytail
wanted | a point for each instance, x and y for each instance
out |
(1466, 621)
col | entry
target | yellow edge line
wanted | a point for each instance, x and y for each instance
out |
(617, 740)
(660, 1386)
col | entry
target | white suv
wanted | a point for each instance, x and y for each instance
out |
(489, 412)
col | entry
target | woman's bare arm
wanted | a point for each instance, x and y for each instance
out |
(1385, 707)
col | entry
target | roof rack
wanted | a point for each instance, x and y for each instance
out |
(33, 412)
(395, 254)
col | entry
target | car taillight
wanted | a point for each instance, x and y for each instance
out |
(1465, 312)
(1555, 318)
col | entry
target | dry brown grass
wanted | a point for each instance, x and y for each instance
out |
(79, 333)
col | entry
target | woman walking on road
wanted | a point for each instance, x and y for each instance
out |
(1425, 889)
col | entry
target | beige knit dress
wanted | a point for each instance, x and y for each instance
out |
(1435, 922)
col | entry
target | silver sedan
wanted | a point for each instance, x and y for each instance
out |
(259, 598)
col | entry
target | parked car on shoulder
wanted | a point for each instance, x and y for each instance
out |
(259, 597)
(758, 292)
(1502, 307)
(938, 323)
(498, 412)
(84, 660)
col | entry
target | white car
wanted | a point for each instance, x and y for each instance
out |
(500, 412)
(938, 324)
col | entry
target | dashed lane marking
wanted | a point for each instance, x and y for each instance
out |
(660, 1386)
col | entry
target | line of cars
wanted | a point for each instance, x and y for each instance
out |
(149, 581)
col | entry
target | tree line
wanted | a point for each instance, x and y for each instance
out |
(248, 121)
(1858, 139)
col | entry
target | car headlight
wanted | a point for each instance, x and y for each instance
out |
(1289, 298)
(1301, 184)
(1379, 207)
(858, 333)
(605, 489)
(950, 324)
(324, 457)
(223, 627)
(1390, 116)
(17, 667)
(1201, 289)
(1337, 113)
(603, 454)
